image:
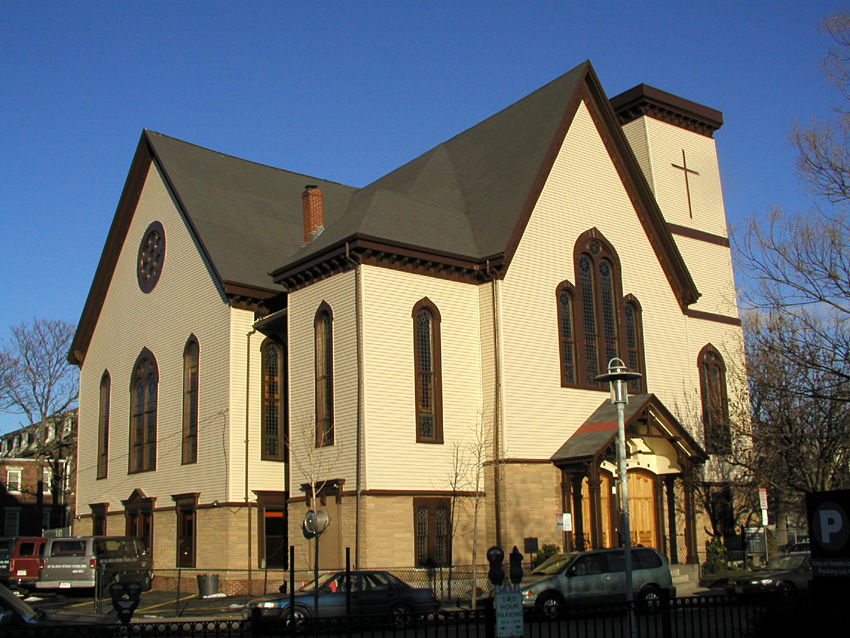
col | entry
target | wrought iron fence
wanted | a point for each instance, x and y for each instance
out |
(694, 617)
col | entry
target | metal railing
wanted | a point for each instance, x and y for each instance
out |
(771, 615)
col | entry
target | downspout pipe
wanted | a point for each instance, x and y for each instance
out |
(247, 455)
(358, 281)
(497, 405)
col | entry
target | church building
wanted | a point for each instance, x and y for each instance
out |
(416, 357)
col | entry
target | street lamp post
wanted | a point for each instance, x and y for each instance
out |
(617, 378)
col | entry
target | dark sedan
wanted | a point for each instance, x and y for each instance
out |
(789, 572)
(372, 593)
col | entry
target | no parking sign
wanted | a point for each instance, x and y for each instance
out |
(829, 527)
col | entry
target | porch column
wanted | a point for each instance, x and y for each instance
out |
(670, 484)
(566, 504)
(594, 490)
(658, 498)
(690, 517)
(578, 523)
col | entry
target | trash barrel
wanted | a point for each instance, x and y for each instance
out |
(207, 584)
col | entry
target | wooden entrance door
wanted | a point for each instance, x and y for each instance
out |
(642, 509)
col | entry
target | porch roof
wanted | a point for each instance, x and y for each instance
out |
(645, 416)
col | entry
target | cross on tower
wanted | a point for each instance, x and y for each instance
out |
(684, 167)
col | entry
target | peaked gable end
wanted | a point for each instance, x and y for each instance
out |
(590, 93)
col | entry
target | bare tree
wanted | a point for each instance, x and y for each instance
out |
(798, 329)
(38, 383)
(799, 263)
(314, 463)
(36, 379)
(800, 434)
(468, 462)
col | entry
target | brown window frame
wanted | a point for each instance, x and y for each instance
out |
(190, 401)
(633, 351)
(138, 518)
(104, 399)
(435, 373)
(714, 400)
(567, 334)
(186, 531)
(142, 455)
(99, 518)
(599, 312)
(273, 418)
(426, 546)
(323, 361)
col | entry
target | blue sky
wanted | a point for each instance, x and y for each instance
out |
(347, 91)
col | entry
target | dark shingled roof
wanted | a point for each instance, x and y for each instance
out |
(466, 200)
(464, 196)
(246, 215)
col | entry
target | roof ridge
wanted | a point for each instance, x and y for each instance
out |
(149, 133)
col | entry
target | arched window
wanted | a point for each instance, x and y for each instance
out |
(323, 330)
(633, 353)
(598, 306)
(190, 401)
(715, 406)
(566, 333)
(428, 372)
(143, 399)
(273, 448)
(103, 427)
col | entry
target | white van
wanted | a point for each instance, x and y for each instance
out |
(89, 561)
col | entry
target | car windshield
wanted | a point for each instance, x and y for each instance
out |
(324, 580)
(787, 563)
(553, 564)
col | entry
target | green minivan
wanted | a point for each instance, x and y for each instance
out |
(597, 576)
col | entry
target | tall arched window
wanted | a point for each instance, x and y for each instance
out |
(715, 406)
(566, 333)
(599, 304)
(633, 353)
(143, 403)
(190, 401)
(273, 448)
(428, 372)
(323, 330)
(103, 427)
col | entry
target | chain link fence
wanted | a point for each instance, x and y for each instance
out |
(449, 583)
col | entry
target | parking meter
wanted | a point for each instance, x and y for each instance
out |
(495, 556)
(516, 566)
(125, 599)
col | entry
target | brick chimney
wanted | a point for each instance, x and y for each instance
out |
(314, 215)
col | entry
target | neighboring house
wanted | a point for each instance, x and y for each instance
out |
(480, 287)
(37, 476)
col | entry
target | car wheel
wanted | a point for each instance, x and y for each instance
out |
(548, 603)
(785, 587)
(650, 598)
(402, 615)
(296, 618)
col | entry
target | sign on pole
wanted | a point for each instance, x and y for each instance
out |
(509, 616)
(829, 525)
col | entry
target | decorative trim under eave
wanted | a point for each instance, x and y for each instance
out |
(372, 252)
(666, 107)
(261, 301)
